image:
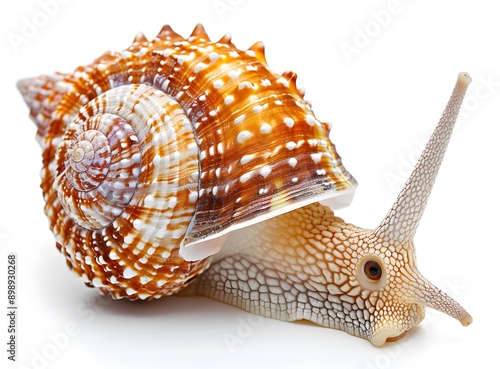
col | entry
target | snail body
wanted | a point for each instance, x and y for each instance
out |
(188, 164)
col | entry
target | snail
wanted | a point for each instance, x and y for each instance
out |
(187, 164)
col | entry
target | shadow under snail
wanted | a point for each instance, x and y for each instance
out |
(188, 164)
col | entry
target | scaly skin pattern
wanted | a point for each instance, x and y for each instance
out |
(302, 265)
(307, 264)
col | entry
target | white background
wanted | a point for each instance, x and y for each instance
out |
(383, 101)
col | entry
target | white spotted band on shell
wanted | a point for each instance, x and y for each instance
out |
(172, 141)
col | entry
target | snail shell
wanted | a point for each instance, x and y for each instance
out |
(151, 155)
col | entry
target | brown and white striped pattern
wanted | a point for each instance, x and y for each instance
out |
(172, 142)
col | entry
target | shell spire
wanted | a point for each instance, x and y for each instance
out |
(42, 95)
(402, 220)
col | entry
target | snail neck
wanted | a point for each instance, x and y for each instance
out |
(286, 268)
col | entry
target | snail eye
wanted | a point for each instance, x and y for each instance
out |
(371, 273)
(373, 270)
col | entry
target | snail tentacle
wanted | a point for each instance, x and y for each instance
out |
(309, 264)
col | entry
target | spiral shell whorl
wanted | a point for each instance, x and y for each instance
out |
(90, 178)
(127, 171)
(171, 141)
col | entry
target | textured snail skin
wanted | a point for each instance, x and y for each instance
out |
(178, 157)
(309, 264)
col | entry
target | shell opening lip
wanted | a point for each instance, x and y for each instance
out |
(197, 249)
